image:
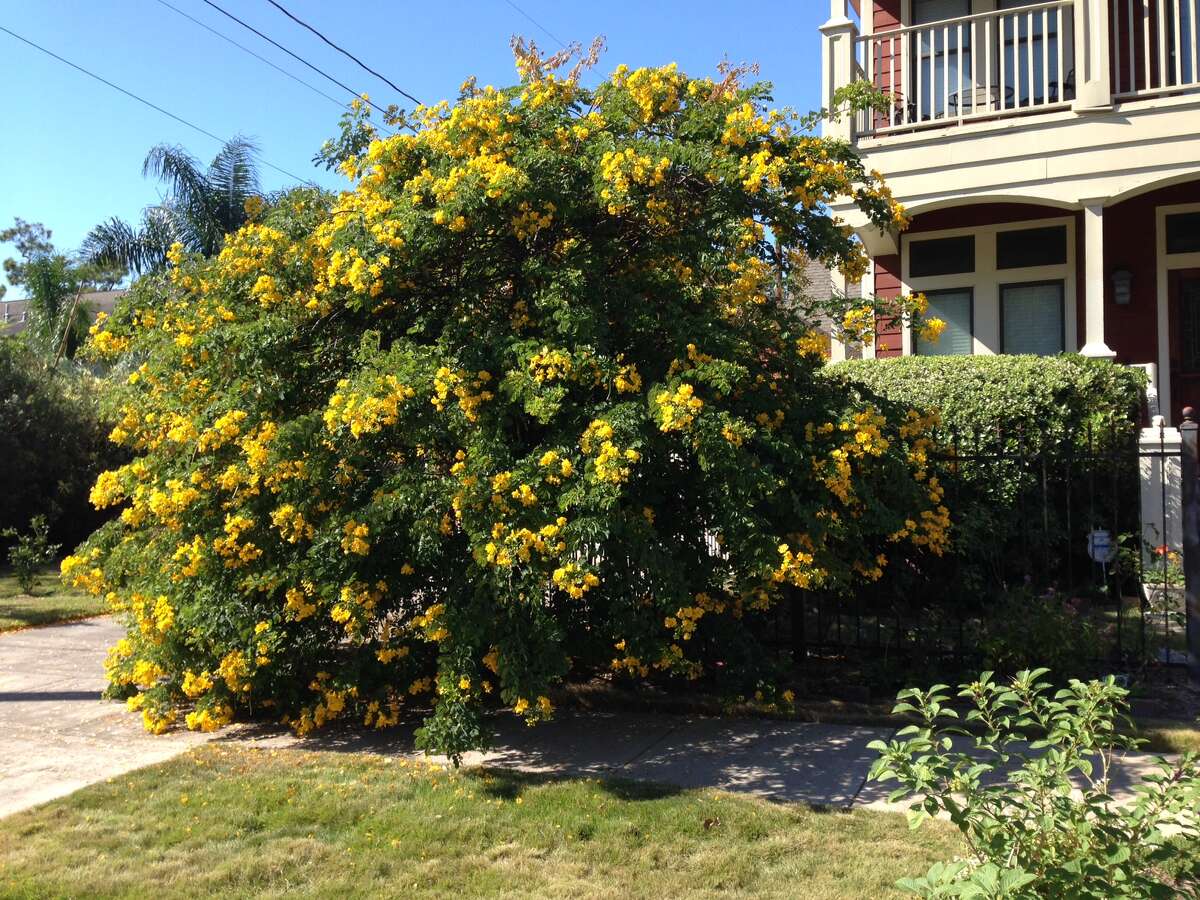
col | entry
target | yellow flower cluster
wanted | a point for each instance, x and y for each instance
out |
(367, 413)
(296, 602)
(628, 381)
(550, 365)
(354, 538)
(656, 91)
(622, 169)
(684, 621)
(225, 429)
(797, 568)
(529, 221)
(471, 395)
(509, 546)
(744, 125)
(292, 525)
(574, 580)
(610, 460)
(678, 409)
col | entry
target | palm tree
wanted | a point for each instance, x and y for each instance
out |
(201, 207)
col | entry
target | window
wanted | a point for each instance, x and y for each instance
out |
(955, 309)
(1031, 247)
(1183, 233)
(1032, 318)
(941, 256)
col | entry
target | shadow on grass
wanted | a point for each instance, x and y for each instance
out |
(509, 784)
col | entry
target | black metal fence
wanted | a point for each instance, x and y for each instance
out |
(1071, 550)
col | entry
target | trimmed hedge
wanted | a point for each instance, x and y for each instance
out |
(1054, 396)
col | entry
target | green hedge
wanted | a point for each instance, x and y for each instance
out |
(53, 444)
(1054, 396)
(1048, 452)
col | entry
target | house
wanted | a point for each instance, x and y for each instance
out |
(14, 314)
(1049, 156)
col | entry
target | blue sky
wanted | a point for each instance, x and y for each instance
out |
(74, 147)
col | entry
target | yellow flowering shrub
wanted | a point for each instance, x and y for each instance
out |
(525, 392)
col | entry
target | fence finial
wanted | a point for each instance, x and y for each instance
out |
(1189, 415)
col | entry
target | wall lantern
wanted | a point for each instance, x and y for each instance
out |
(1122, 286)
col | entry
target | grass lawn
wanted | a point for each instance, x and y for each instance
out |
(50, 602)
(229, 821)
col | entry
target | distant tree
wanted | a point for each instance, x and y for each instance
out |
(31, 239)
(54, 283)
(201, 207)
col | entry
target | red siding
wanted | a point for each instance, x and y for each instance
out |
(889, 340)
(981, 214)
(1130, 243)
(888, 53)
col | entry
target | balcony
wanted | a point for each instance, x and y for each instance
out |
(1023, 60)
(1059, 103)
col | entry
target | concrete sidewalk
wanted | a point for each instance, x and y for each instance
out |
(57, 735)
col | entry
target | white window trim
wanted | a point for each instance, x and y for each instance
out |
(1165, 264)
(986, 280)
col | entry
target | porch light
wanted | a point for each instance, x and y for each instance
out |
(1122, 286)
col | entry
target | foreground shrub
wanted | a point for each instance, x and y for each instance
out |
(527, 397)
(52, 445)
(1032, 794)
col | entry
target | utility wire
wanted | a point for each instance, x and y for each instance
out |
(280, 69)
(144, 101)
(294, 56)
(347, 54)
(538, 24)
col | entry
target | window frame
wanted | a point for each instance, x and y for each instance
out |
(1062, 304)
(987, 278)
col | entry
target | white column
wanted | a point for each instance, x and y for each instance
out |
(837, 65)
(837, 350)
(1093, 282)
(1092, 50)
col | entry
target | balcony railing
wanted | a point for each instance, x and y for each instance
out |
(983, 66)
(1154, 46)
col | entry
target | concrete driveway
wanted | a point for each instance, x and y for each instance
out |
(58, 735)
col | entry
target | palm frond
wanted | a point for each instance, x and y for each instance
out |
(232, 179)
(179, 170)
(114, 242)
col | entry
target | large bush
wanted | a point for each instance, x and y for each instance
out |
(52, 445)
(526, 397)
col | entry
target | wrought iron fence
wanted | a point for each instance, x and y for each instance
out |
(1068, 546)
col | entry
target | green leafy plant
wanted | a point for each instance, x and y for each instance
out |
(32, 550)
(1027, 777)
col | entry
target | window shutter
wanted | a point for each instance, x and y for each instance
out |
(1033, 318)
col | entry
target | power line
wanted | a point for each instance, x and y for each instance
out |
(144, 101)
(294, 56)
(538, 24)
(347, 54)
(280, 69)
